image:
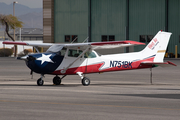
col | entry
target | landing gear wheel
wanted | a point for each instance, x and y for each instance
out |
(40, 82)
(85, 81)
(57, 80)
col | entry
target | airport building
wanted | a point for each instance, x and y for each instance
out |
(111, 20)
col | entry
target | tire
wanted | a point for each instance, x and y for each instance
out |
(40, 82)
(85, 81)
(57, 80)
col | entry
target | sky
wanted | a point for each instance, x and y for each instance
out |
(29, 3)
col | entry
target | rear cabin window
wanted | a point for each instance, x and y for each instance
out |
(74, 53)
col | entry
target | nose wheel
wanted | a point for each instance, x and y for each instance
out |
(40, 82)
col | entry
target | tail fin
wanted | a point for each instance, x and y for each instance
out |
(157, 46)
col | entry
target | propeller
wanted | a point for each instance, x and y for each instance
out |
(31, 73)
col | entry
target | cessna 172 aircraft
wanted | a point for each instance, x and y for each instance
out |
(80, 58)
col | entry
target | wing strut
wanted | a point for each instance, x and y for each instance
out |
(63, 71)
(36, 49)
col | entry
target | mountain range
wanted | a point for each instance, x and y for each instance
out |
(31, 17)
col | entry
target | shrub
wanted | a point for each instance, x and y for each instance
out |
(27, 51)
(5, 52)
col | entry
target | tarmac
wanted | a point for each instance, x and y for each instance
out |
(122, 95)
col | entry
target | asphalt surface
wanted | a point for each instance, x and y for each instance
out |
(122, 95)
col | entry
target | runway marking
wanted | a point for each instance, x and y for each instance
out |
(35, 102)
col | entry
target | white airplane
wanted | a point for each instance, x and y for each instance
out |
(80, 58)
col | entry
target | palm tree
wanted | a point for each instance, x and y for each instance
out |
(10, 22)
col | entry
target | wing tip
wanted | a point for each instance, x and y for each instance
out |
(14, 43)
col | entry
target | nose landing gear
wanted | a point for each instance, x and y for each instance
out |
(40, 81)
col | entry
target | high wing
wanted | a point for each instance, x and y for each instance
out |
(28, 44)
(102, 45)
(114, 44)
(82, 46)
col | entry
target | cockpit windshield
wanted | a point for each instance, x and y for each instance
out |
(59, 49)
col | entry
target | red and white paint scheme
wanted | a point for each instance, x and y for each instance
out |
(81, 58)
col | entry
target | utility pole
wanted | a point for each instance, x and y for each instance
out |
(15, 46)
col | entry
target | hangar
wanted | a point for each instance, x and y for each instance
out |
(111, 20)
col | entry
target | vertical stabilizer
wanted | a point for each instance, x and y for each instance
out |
(157, 46)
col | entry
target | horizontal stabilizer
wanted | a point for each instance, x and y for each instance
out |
(162, 64)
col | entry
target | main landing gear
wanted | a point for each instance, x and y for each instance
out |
(85, 81)
(57, 80)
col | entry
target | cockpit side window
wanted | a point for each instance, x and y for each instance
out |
(90, 55)
(74, 53)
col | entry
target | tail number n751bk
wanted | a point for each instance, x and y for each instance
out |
(121, 64)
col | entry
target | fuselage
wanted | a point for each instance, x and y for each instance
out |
(55, 63)
(79, 58)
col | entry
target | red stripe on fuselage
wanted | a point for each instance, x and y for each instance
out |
(85, 69)
(95, 68)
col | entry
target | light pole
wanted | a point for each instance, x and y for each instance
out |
(14, 14)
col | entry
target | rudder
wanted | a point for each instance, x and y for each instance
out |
(157, 46)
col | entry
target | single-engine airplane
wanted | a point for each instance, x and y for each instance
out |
(81, 58)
